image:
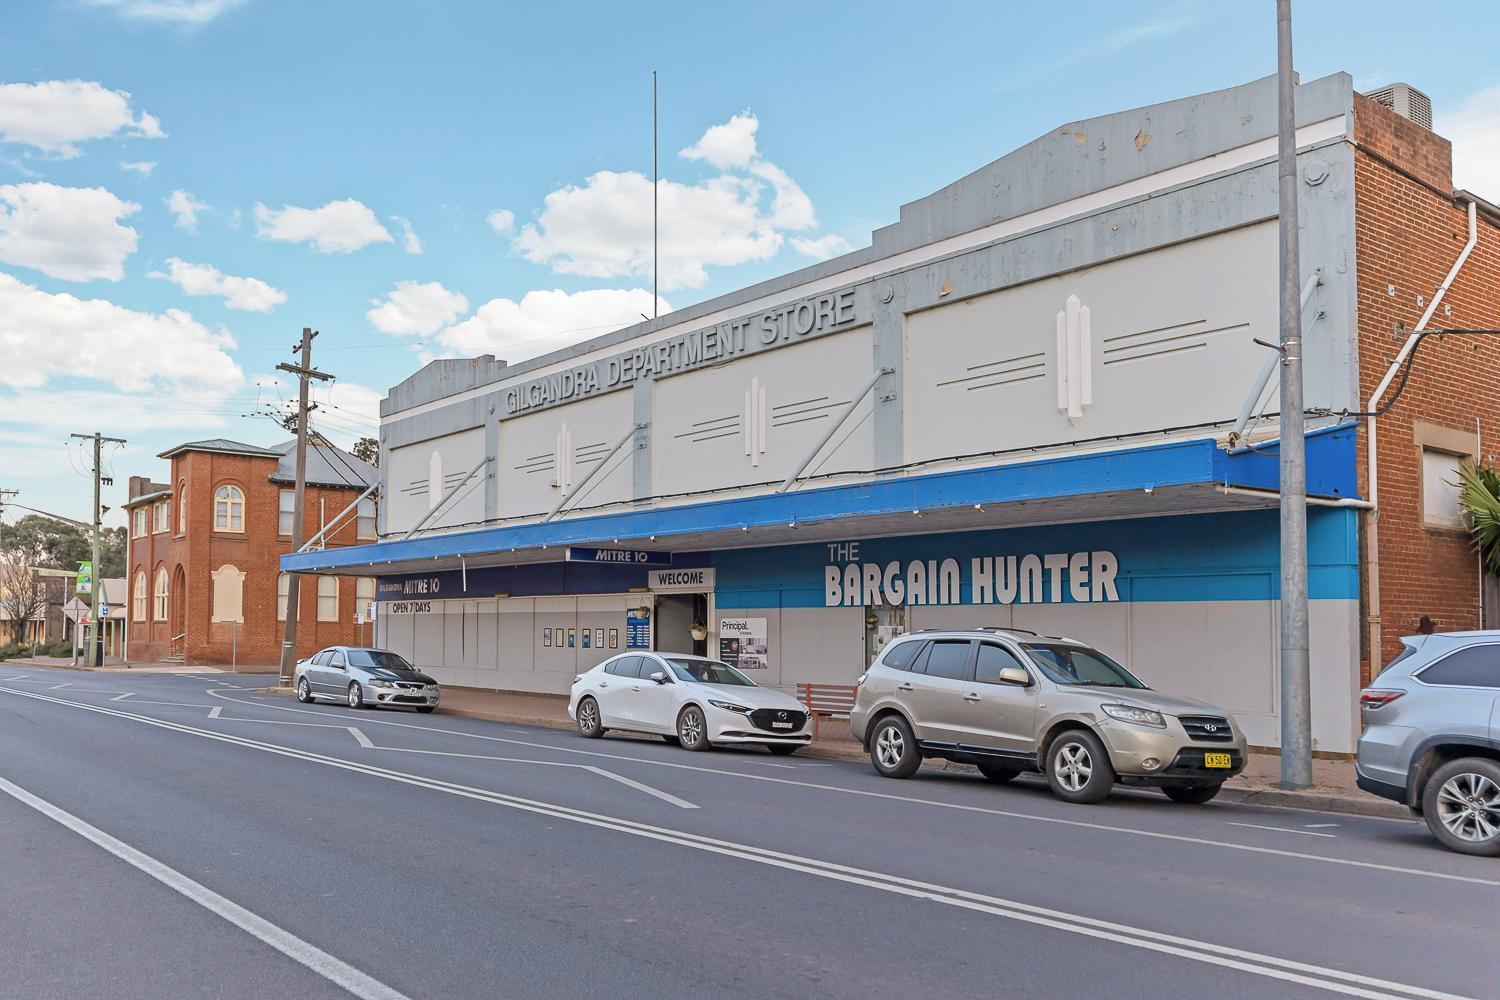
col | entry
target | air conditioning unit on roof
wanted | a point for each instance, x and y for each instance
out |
(1407, 101)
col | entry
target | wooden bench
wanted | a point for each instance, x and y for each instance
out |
(834, 700)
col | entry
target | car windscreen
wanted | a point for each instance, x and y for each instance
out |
(708, 672)
(1079, 666)
(378, 658)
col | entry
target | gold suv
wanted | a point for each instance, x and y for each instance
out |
(1009, 700)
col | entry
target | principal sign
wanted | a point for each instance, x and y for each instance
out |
(800, 320)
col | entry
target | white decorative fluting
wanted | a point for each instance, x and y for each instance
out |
(1075, 361)
(434, 479)
(562, 459)
(754, 426)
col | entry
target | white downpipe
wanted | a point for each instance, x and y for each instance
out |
(1372, 523)
(1312, 501)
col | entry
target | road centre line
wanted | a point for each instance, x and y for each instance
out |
(935, 803)
(1283, 829)
(1287, 970)
(304, 953)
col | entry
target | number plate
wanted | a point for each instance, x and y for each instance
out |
(781, 725)
(1217, 760)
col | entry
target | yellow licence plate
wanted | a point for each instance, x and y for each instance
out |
(1217, 760)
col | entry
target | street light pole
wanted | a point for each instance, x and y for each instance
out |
(1296, 697)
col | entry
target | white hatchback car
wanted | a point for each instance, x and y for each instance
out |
(689, 700)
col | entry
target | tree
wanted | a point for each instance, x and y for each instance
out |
(1479, 495)
(42, 541)
(367, 450)
(23, 593)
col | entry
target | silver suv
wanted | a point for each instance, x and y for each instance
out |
(1009, 700)
(1432, 736)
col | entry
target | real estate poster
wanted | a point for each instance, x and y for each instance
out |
(546, 637)
(742, 643)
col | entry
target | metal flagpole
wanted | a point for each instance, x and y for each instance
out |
(655, 185)
(1296, 699)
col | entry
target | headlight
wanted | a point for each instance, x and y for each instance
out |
(1140, 716)
(730, 706)
(381, 682)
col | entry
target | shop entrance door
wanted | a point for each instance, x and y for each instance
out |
(677, 617)
(883, 622)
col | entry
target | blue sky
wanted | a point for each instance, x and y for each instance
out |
(292, 147)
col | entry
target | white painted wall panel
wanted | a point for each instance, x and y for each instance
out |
(414, 472)
(1171, 344)
(547, 453)
(773, 405)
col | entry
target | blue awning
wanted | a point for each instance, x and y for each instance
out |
(1165, 478)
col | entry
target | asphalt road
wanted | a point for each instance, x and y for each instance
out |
(181, 836)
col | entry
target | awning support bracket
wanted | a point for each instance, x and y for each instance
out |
(568, 497)
(446, 497)
(1253, 400)
(828, 436)
(316, 540)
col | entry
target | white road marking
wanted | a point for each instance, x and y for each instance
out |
(360, 738)
(122, 697)
(335, 971)
(934, 803)
(612, 776)
(1284, 829)
(213, 713)
(1270, 966)
(1319, 826)
(57, 687)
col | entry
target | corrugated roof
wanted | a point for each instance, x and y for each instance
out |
(220, 445)
(326, 466)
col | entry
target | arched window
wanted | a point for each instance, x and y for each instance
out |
(328, 598)
(229, 508)
(182, 511)
(160, 611)
(138, 598)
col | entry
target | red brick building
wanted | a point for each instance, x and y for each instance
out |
(1411, 228)
(204, 549)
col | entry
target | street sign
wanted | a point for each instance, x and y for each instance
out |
(85, 578)
(617, 557)
(103, 611)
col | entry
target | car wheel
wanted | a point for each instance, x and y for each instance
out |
(1461, 804)
(893, 748)
(356, 696)
(1078, 767)
(692, 729)
(426, 709)
(998, 774)
(783, 749)
(304, 691)
(588, 719)
(1194, 795)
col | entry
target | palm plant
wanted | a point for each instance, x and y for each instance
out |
(1479, 495)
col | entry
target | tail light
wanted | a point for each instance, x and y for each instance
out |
(1378, 697)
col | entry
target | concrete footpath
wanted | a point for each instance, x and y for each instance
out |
(1333, 791)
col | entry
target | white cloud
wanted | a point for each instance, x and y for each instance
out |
(69, 233)
(420, 309)
(338, 227)
(410, 241)
(185, 208)
(142, 167)
(546, 320)
(55, 115)
(821, 247)
(501, 220)
(125, 414)
(47, 336)
(729, 145)
(172, 11)
(245, 294)
(603, 229)
(1474, 129)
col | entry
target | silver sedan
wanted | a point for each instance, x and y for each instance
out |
(360, 676)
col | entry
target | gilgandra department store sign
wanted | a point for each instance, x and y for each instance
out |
(801, 320)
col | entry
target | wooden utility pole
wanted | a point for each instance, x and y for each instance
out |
(93, 655)
(305, 374)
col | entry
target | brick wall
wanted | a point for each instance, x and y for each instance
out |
(1409, 232)
(201, 549)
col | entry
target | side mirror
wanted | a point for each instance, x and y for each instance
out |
(1015, 675)
(659, 677)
